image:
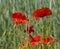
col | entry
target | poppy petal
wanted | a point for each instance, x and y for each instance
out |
(34, 40)
(19, 18)
(39, 13)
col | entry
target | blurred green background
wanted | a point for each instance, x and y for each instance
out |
(11, 37)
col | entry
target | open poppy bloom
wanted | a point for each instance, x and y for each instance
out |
(29, 29)
(41, 13)
(47, 40)
(19, 18)
(24, 44)
(34, 40)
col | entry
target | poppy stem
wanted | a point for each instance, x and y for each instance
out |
(14, 35)
(42, 46)
(29, 46)
(35, 47)
(48, 46)
(42, 29)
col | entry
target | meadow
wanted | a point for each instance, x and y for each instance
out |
(12, 36)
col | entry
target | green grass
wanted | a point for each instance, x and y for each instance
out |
(11, 37)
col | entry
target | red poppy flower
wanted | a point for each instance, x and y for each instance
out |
(29, 29)
(47, 40)
(19, 18)
(34, 40)
(41, 12)
(24, 44)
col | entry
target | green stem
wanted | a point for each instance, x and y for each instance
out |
(42, 46)
(14, 35)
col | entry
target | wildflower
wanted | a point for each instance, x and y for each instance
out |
(39, 13)
(19, 18)
(24, 44)
(35, 40)
(48, 39)
(29, 29)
